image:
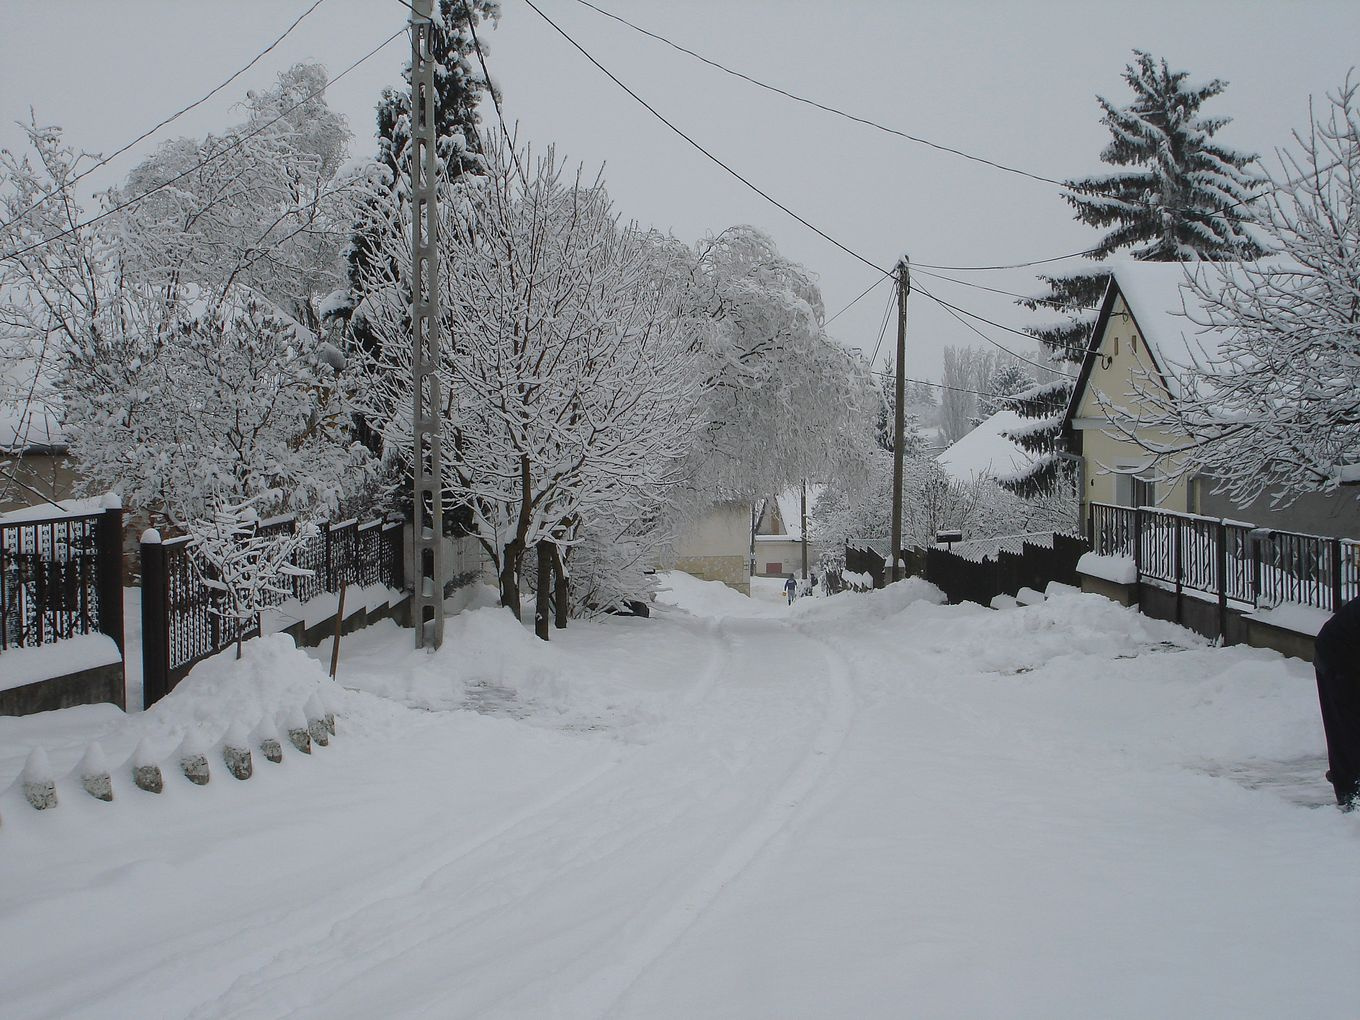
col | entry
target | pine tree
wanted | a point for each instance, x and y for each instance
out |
(1176, 195)
(459, 86)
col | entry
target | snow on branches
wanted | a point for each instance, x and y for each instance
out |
(573, 390)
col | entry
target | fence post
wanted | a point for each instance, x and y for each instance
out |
(109, 582)
(1137, 544)
(1091, 526)
(330, 568)
(155, 634)
(1255, 572)
(1176, 536)
(1337, 596)
(1221, 535)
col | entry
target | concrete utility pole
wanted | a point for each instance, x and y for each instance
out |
(428, 508)
(803, 530)
(903, 289)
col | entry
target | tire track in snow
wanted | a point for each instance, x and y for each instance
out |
(273, 972)
(602, 994)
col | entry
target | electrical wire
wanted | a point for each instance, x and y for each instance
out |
(105, 160)
(821, 106)
(1007, 293)
(883, 373)
(202, 163)
(655, 113)
(856, 300)
(951, 309)
(495, 99)
(883, 329)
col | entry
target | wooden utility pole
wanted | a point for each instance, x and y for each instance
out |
(803, 530)
(899, 429)
(427, 517)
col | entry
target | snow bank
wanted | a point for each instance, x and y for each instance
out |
(20, 666)
(1116, 569)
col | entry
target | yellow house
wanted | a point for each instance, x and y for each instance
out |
(1141, 342)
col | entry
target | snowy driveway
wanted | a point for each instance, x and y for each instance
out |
(868, 806)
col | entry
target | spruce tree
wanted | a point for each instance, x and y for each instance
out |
(459, 86)
(1175, 195)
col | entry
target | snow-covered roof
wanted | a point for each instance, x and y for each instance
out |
(986, 452)
(24, 428)
(1165, 308)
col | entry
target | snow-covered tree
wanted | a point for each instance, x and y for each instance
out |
(261, 207)
(885, 429)
(1007, 381)
(573, 393)
(1177, 194)
(186, 415)
(784, 401)
(48, 292)
(244, 566)
(1276, 408)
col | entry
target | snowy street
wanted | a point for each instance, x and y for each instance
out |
(870, 805)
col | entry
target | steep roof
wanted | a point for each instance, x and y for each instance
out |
(987, 452)
(1167, 315)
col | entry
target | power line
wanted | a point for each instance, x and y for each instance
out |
(951, 309)
(655, 113)
(1008, 293)
(821, 106)
(104, 161)
(202, 163)
(883, 329)
(856, 300)
(926, 382)
(495, 100)
(1008, 329)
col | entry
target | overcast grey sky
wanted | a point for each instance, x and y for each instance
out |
(1011, 81)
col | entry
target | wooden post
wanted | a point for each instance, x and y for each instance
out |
(899, 438)
(339, 623)
(1091, 527)
(1138, 544)
(155, 634)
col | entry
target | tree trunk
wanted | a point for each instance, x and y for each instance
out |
(542, 609)
(561, 590)
(509, 577)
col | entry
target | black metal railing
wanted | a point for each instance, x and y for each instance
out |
(1260, 567)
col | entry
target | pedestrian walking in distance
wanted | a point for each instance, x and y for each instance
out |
(790, 586)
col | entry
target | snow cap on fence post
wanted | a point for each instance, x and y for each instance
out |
(266, 738)
(40, 786)
(192, 759)
(236, 752)
(94, 774)
(146, 771)
(151, 537)
(316, 721)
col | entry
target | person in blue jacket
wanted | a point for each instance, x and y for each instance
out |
(1336, 660)
(790, 586)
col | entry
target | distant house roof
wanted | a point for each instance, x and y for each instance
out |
(30, 429)
(986, 452)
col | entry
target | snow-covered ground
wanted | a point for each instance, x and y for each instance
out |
(863, 806)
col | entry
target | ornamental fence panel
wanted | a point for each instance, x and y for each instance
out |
(182, 619)
(60, 578)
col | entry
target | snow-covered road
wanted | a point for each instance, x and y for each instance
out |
(864, 806)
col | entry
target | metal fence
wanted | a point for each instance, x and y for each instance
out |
(181, 624)
(61, 577)
(1236, 562)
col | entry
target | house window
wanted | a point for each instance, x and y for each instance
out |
(1130, 490)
